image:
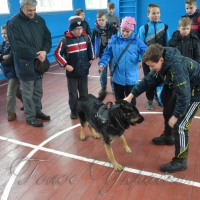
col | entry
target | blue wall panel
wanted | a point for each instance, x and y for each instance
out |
(171, 11)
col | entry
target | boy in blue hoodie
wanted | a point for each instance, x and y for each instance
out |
(153, 32)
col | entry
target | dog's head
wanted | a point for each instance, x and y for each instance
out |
(130, 112)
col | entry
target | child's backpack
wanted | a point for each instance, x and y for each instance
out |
(146, 28)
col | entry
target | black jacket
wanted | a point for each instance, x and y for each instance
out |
(101, 37)
(86, 27)
(188, 45)
(27, 37)
(181, 74)
(195, 25)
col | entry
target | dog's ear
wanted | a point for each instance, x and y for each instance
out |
(101, 97)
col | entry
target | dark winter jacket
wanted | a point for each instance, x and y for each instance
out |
(102, 36)
(77, 54)
(189, 45)
(8, 63)
(181, 74)
(195, 25)
(27, 37)
(86, 27)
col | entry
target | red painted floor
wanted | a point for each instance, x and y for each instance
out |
(53, 163)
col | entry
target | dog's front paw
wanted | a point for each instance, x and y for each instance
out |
(82, 137)
(118, 167)
(96, 136)
(127, 149)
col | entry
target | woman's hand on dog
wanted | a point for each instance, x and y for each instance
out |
(129, 97)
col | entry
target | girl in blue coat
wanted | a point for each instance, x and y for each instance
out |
(126, 73)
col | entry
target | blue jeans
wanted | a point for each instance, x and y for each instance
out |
(103, 77)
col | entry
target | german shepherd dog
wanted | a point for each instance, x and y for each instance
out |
(110, 120)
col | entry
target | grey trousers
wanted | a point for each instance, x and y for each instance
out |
(75, 86)
(13, 91)
(32, 96)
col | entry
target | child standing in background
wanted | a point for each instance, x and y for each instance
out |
(113, 19)
(80, 12)
(185, 41)
(126, 72)
(7, 65)
(194, 15)
(101, 35)
(153, 32)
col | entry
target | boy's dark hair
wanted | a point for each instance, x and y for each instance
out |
(191, 2)
(100, 14)
(79, 11)
(185, 21)
(111, 5)
(153, 53)
(151, 5)
(3, 27)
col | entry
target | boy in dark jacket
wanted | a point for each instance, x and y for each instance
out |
(75, 53)
(101, 35)
(7, 64)
(180, 76)
(80, 12)
(185, 41)
(194, 15)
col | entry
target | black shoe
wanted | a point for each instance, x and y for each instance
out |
(35, 123)
(164, 139)
(102, 94)
(177, 164)
(43, 116)
(73, 115)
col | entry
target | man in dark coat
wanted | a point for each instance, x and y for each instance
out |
(30, 39)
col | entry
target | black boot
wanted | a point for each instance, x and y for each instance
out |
(164, 139)
(177, 164)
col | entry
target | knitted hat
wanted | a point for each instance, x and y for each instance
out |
(74, 22)
(128, 23)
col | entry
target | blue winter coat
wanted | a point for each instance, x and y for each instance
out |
(126, 72)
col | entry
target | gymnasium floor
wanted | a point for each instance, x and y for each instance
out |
(53, 163)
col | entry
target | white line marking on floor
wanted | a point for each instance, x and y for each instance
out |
(20, 166)
(168, 178)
